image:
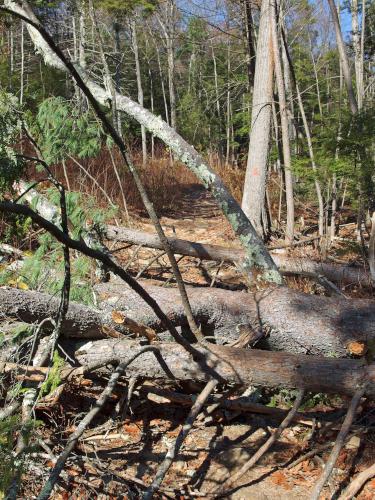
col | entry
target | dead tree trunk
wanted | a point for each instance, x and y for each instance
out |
(292, 321)
(347, 275)
(240, 366)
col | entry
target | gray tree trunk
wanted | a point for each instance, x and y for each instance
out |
(256, 172)
(308, 140)
(344, 58)
(347, 275)
(166, 21)
(139, 85)
(356, 39)
(239, 366)
(283, 105)
(294, 322)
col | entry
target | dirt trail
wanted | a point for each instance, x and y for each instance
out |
(195, 216)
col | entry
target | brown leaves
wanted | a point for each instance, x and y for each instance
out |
(279, 478)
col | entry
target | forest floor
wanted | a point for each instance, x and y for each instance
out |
(117, 458)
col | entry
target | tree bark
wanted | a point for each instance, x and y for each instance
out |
(308, 137)
(344, 59)
(256, 171)
(240, 366)
(347, 275)
(294, 322)
(289, 233)
(356, 38)
(257, 255)
(249, 29)
(139, 85)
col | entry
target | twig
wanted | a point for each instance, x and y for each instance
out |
(340, 440)
(310, 454)
(149, 263)
(216, 274)
(126, 398)
(230, 480)
(174, 449)
(357, 483)
(85, 422)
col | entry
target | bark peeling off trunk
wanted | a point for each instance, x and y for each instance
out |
(245, 367)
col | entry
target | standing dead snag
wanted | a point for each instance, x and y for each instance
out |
(175, 447)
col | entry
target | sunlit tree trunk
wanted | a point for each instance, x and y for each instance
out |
(256, 171)
(284, 126)
(22, 62)
(249, 29)
(308, 139)
(167, 20)
(228, 106)
(139, 84)
(344, 58)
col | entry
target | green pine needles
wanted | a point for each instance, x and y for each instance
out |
(11, 167)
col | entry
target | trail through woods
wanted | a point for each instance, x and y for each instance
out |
(157, 338)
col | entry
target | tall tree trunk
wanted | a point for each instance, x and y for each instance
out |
(166, 21)
(284, 126)
(356, 40)
(217, 99)
(308, 137)
(360, 81)
(117, 76)
(228, 106)
(344, 58)
(249, 28)
(256, 172)
(316, 78)
(139, 85)
(22, 84)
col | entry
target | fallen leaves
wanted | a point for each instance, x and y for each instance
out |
(280, 479)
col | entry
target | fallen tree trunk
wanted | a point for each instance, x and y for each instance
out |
(240, 366)
(347, 275)
(292, 321)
